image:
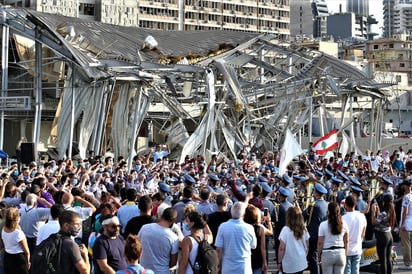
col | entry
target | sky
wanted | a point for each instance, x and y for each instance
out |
(375, 8)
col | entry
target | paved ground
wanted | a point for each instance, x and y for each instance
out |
(399, 261)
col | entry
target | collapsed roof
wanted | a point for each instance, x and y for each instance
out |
(230, 90)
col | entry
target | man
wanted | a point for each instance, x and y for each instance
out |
(134, 225)
(234, 242)
(158, 154)
(205, 206)
(314, 215)
(52, 226)
(357, 226)
(31, 219)
(74, 258)
(128, 210)
(280, 222)
(215, 219)
(187, 199)
(108, 250)
(160, 244)
(406, 225)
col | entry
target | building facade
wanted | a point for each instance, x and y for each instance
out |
(391, 55)
(266, 16)
(347, 25)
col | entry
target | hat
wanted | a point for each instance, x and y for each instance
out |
(164, 187)
(354, 181)
(343, 175)
(328, 172)
(284, 191)
(213, 177)
(336, 180)
(287, 179)
(319, 173)
(266, 187)
(386, 180)
(356, 189)
(189, 179)
(262, 179)
(320, 188)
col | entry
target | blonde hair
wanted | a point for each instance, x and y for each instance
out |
(189, 209)
(12, 218)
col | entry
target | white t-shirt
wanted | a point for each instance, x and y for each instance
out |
(330, 239)
(356, 221)
(46, 230)
(407, 202)
(294, 249)
(12, 241)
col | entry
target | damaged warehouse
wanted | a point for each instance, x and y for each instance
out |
(203, 91)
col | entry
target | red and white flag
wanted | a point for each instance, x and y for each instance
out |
(326, 143)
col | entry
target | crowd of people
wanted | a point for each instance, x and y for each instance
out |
(151, 218)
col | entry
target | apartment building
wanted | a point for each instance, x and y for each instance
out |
(402, 19)
(391, 54)
(267, 16)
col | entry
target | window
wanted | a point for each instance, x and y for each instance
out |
(375, 46)
(402, 65)
(391, 46)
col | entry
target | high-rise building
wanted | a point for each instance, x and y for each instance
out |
(358, 7)
(402, 18)
(320, 14)
(271, 16)
(397, 17)
(301, 18)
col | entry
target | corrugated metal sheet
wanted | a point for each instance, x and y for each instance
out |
(122, 43)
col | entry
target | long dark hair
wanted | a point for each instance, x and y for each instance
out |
(334, 218)
(295, 221)
(389, 207)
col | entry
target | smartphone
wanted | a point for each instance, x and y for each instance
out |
(266, 211)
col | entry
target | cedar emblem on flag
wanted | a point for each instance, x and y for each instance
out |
(326, 143)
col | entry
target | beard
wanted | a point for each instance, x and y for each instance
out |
(113, 233)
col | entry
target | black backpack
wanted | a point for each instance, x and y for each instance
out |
(45, 258)
(207, 260)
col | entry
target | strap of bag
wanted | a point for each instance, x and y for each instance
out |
(191, 265)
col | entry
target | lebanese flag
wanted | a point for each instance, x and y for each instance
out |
(326, 143)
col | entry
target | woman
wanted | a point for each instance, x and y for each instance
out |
(293, 243)
(133, 251)
(333, 241)
(198, 230)
(253, 217)
(384, 221)
(17, 255)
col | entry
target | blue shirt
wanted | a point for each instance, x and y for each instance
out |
(135, 269)
(127, 212)
(236, 238)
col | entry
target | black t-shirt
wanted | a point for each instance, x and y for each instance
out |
(134, 225)
(215, 219)
(70, 256)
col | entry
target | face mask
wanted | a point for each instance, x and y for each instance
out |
(253, 157)
(110, 171)
(16, 173)
(186, 227)
(137, 167)
(75, 231)
(101, 170)
(224, 171)
(33, 173)
(75, 181)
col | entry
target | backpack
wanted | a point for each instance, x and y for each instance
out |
(207, 260)
(45, 258)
